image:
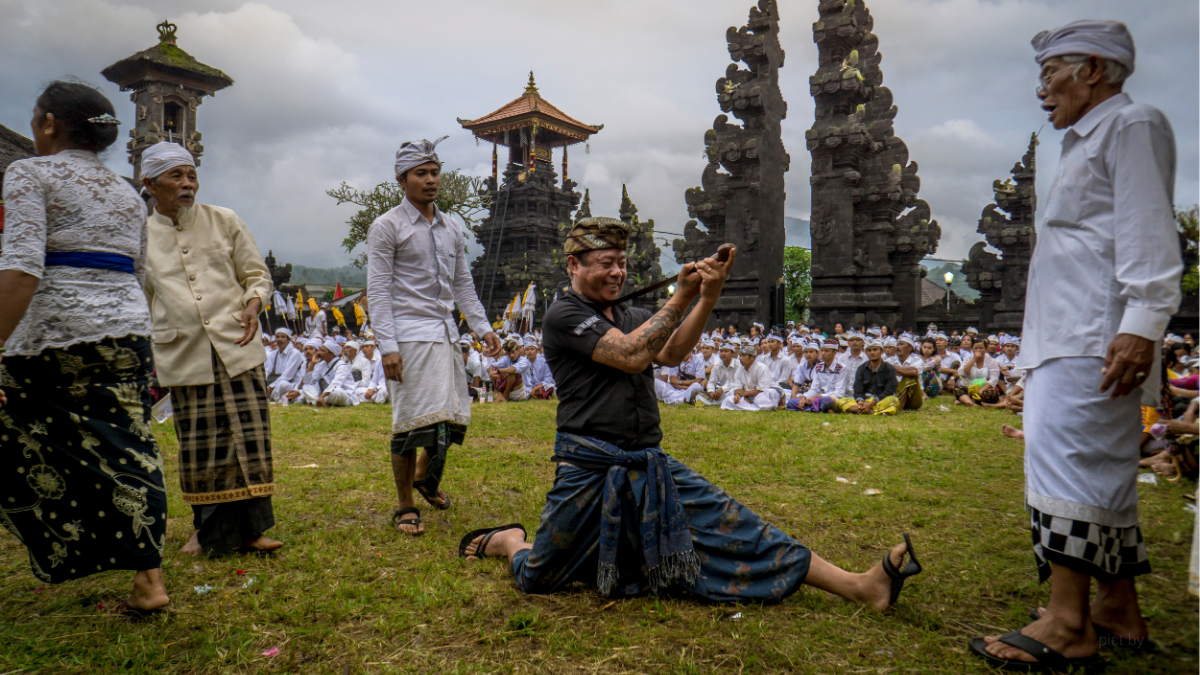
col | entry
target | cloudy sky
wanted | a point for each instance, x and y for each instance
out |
(325, 92)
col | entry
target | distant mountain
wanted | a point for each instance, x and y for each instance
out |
(347, 275)
(797, 232)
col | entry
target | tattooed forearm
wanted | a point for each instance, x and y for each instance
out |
(633, 352)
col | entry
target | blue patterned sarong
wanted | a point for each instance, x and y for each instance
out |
(741, 557)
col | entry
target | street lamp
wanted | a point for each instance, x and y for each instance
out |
(949, 277)
(671, 289)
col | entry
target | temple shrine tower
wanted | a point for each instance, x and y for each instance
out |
(522, 236)
(166, 85)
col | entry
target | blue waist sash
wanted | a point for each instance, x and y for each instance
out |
(95, 261)
(664, 533)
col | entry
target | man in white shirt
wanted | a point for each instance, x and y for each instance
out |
(1109, 235)
(373, 389)
(541, 380)
(720, 383)
(668, 390)
(754, 389)
(284, 366)
(854, 357)
(830, 383)
(336, 384)
(776, 362)
(417, 272)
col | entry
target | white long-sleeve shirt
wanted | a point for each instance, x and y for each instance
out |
(756, 377)
(288, 364)
(722, 376)
(337, 376)
(416, 272)
(1107, 259)
(777, 366)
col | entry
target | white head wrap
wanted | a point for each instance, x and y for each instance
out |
(773, 336)
(415, 153)
(1107, 39)
(162, 157)
(284, 331)
(315, 343)
(889, 341)
(875, 342)
(907, 339)
(748, 350)
(972, 330)
(707, 343)
(332, 346)
(354, 345)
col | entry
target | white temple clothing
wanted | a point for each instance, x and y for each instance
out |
(1107, 259)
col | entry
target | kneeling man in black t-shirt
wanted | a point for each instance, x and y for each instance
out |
(623, 515)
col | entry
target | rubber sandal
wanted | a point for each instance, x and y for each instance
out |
(911, 569)
(1111, 639)
(488, 533)
(419, 486)
(1047, 658)
(397, 522)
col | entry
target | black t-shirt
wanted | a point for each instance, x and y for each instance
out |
(596, 400)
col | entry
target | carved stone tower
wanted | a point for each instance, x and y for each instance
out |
(741, 197)
(166, 85)
(1001, 280)
(642, 262)
(866, 256)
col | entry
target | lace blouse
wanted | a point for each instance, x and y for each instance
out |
(71, 202)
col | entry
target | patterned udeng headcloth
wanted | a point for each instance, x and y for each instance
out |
(415, 153)
(597, 234)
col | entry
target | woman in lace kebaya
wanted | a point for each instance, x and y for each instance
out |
(81, 478)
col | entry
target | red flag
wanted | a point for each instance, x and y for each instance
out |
(337, 292)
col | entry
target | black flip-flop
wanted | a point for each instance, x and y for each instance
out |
(488, 533)
(416, 522)
(911, 569)
(1047, 658)
(1111, 639)
(419, 485)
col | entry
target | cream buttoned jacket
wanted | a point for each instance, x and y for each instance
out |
(200, 274)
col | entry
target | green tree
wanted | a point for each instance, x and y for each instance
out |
(1189, 222)
(458, 195)
(797, 277)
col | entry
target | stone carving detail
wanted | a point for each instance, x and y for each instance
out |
(642, 263)
(279, 275)
(866, 248)
(1008, 225)
(741, 194)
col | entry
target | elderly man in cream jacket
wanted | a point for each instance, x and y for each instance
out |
(206, 283)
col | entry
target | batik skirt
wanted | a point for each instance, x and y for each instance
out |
(81, 477)
(224, 432)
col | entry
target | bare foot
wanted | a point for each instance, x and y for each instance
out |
(193, 547)
(1012, 432)
(1071, 643)
(263, 545)
(876, 587)
(149, 593)
(503, 544)
(1125, 625)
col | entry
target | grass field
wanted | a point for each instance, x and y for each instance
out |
(349, 595)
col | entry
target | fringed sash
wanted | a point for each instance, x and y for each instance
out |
(665, 537)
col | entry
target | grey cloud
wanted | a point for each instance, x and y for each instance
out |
(326, 92)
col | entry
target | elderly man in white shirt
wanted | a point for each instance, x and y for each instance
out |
(417, 271)
(1103, 282)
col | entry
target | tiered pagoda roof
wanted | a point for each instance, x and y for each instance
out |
(555, 127)
(166, 59)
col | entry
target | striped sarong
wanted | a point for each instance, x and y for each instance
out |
(224, 432)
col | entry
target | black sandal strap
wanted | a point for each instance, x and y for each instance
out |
(1045, 656)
